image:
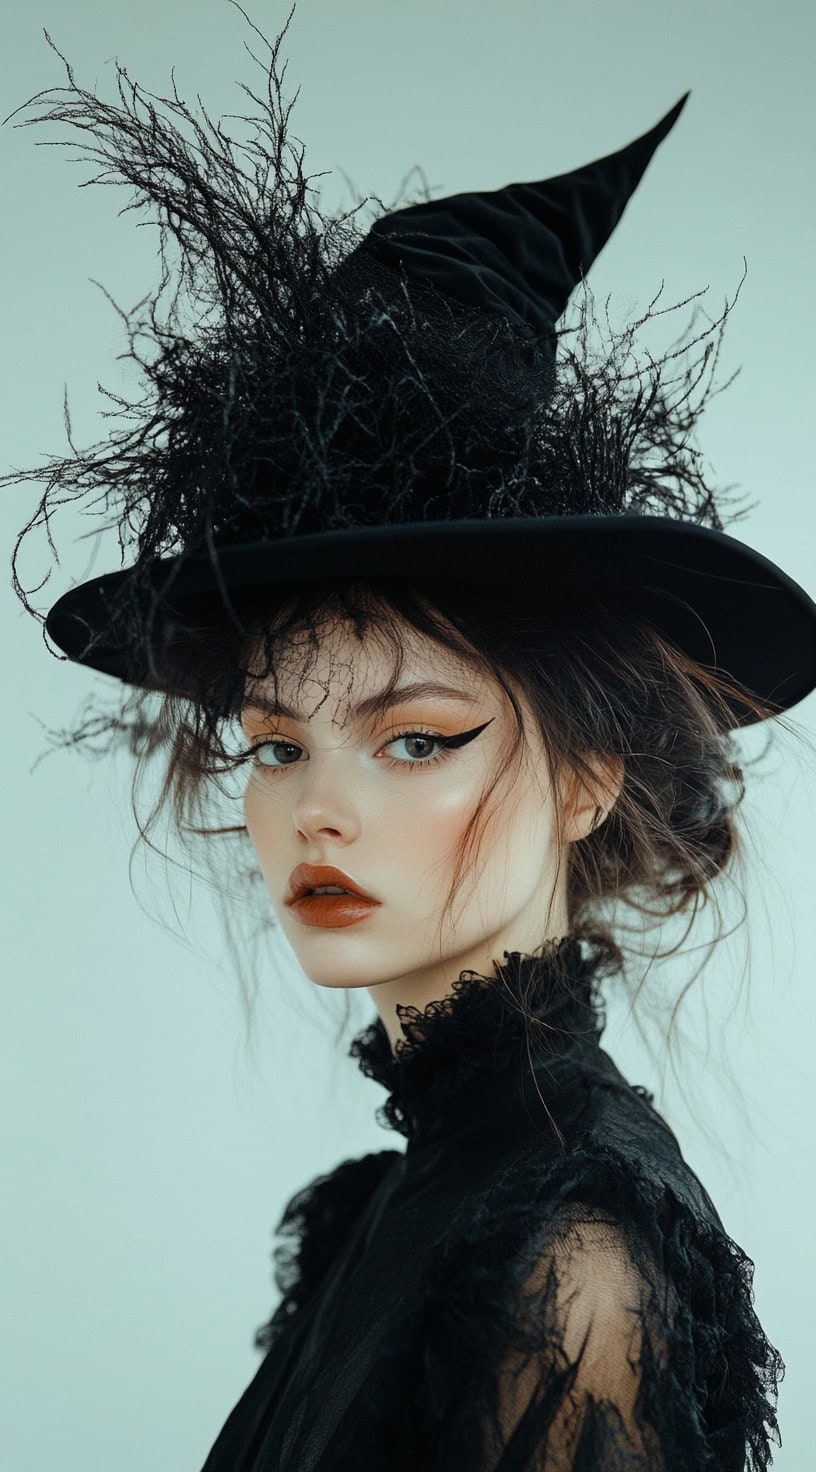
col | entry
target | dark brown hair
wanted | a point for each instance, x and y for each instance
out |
(596, 681)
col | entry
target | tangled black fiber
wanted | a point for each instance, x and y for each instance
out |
(294, 383)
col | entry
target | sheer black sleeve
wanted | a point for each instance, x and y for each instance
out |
(586, 1358)
(623, 1349)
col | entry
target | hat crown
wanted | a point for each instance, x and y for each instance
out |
(436, 359)
(520, 250)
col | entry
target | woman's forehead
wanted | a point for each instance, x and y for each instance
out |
(339, 673)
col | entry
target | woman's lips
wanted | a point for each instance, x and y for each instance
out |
(336, 910)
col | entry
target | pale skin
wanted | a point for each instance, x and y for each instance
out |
(351, 791)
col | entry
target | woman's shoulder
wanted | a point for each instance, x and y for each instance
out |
(576, 1252)
(621, 1127)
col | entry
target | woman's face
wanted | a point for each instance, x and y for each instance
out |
(372, 792)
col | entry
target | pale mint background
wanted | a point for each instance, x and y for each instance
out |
(146, 1157)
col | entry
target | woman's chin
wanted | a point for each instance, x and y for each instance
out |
(335, 960)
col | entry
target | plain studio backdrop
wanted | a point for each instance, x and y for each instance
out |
(148, 1153)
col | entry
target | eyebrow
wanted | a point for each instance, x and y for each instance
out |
(373, 704)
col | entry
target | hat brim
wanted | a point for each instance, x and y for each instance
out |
(719, 600)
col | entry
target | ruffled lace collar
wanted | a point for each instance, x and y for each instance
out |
(479, 1031)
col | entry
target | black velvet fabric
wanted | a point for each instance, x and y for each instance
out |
(538, 1281)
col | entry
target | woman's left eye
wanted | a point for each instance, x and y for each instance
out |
(425, 739)
(418, 745)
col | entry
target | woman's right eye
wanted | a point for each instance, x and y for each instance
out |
(276, 747)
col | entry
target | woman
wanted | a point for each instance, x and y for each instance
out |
(463, 609)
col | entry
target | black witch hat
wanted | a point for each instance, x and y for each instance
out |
(393, 410)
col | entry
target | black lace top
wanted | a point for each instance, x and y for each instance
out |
(538, 1281)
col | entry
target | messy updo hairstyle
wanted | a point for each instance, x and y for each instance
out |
(595, 681)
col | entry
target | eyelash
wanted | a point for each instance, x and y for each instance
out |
(447, 744)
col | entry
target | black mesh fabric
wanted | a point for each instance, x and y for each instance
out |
(538, 1281)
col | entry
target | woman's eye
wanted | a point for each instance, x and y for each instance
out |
(276, 747)
(417, 745)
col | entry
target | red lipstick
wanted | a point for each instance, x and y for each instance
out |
(333, 909)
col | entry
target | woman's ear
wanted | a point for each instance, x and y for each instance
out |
(588, 800)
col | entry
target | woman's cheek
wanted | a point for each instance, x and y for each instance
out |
(419, 840)
(438, 815)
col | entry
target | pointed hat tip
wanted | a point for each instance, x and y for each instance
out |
(674, 112)
(636, 155)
